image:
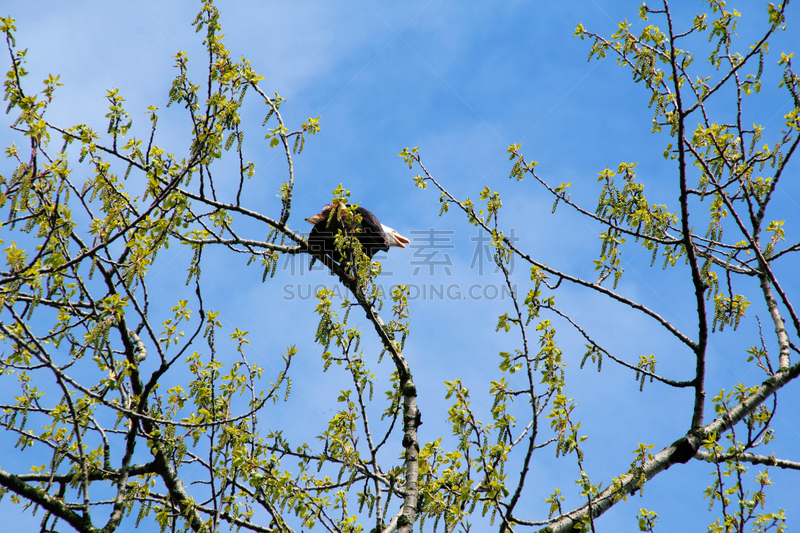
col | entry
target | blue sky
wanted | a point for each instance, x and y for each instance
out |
(462, 82)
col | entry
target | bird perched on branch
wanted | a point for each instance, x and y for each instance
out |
(360, 223)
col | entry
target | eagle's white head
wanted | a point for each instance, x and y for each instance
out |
(393, 238)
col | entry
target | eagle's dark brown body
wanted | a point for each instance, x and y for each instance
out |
(373, 236)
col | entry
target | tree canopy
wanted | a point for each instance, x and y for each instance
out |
(129, 401)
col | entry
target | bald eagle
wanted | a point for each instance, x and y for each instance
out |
(360, 223)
